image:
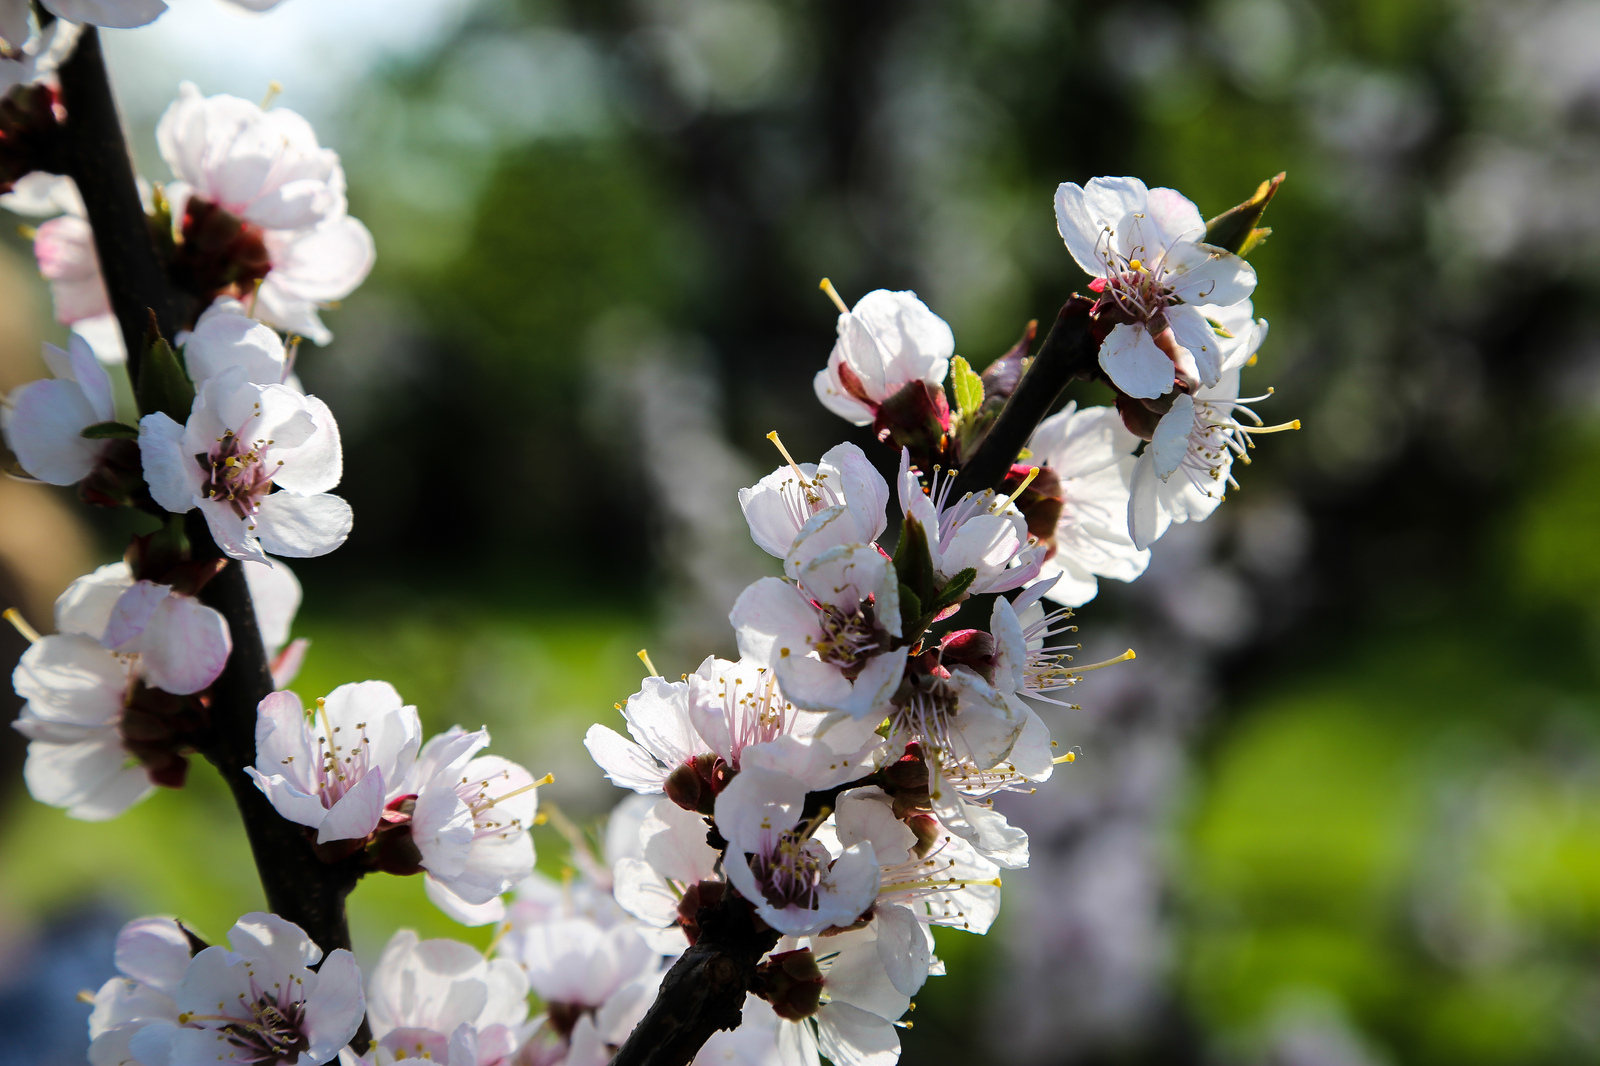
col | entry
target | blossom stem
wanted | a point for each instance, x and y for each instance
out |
(1068, 352)
(97, 159)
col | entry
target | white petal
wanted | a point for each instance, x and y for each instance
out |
(301, 527)
(1171, 441)
(173, 477)
(44, 429)
(1133, 362)
(115, 14)
(185, 646)
(458, 909)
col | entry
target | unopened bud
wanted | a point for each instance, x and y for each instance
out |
(696, 897)
(792, 983)
(695, 784)
(927, 830)
(909, 773)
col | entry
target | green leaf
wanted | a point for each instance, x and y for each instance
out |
(913, 563)
(955, 588)
(1235, 229)
(163, 385)
(110, 431)
(910, 612)
(968, 386)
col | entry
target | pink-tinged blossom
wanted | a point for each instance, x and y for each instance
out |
(781, 504)
(596, 983)
(242, 441)
(64, 248)
(336, 768)
(672, 855)
(829, 635)
(734, 712)
(152, 955)
(267, 169)
(664, 737)
(778, 865)
(225, 337)
(115, 635)
(888, 340)
(441, 1000)
(1091, 452)
(1145, 249)
(257, 1002)
(75, 692)
(979, 532)
(470, 824)
(44, 420)
(1183, 473)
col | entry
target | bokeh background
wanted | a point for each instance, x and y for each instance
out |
(1345, 807)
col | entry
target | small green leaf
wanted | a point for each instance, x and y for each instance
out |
(913, 563)
(110, 431)
(955, 588)
(1235, 229)
(968, 386)
(163, 385)
(910, 612)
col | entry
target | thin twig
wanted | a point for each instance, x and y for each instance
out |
(1069, 351)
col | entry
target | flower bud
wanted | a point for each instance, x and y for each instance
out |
(694, 785)
(696, 896)
(792, 983)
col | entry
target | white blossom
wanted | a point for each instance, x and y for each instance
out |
(978, 532)
(1183, 472)
(256, 1001)
(225, 337)
(839, 617)
(1091, 452)
(266, 168)
(336, 768)
(242, 441)
(442, 1000)
(888, 340)
(471, 823)
(152, 955)
(775, 862)
(779, 505)
(1145, 249)
(44, 420)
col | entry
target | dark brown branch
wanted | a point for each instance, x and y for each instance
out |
(299, 886)
(1069, 351)
(705, 989)
(97, 158)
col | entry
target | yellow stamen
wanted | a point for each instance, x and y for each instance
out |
(1284, 427)
(644, 657)
(1070, 756)
(1136, 264)
(1000, 508)
(1255, 357)
(255, 294)
(1127, 656)
(86, 996)
(28, 232)
(773, 437)
(833, 294)
(14, 616)
(545, 780)
(274, 90)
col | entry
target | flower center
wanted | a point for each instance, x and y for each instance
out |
(790, 872)
(271, 1034)
(237, 472)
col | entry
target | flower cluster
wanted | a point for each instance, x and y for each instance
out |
(820, 803)
(839, 779)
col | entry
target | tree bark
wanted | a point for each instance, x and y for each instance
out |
(97, 157)
(1069, 351)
